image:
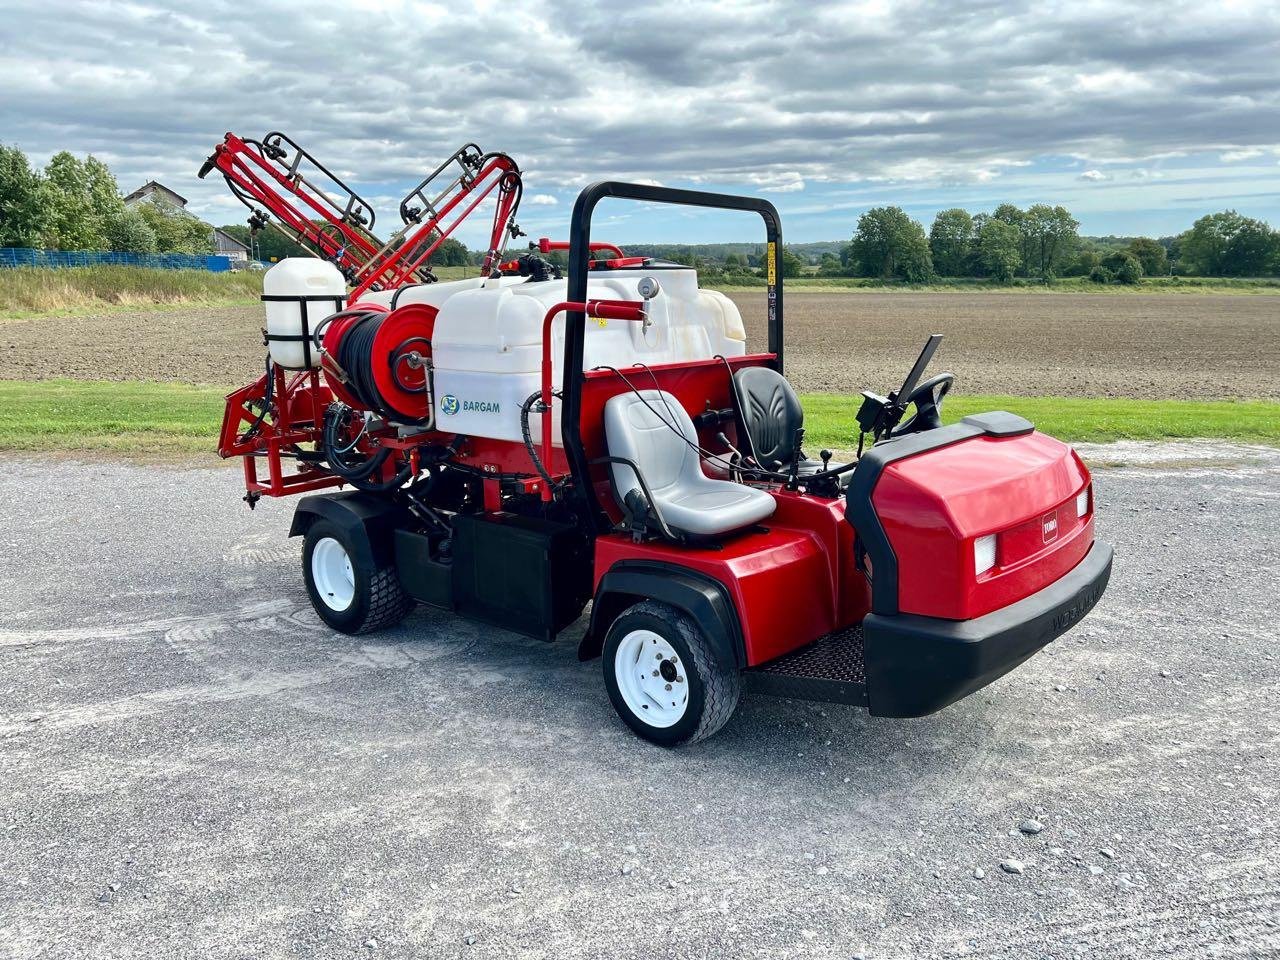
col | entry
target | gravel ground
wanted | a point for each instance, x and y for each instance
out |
(1163, 346)
(191, 766)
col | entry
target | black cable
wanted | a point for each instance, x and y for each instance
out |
(707, 454)
(266, 406)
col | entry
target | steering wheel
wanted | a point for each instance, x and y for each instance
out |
(927, 398)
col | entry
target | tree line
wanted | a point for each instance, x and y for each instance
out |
(1044, 242)
(74, 204)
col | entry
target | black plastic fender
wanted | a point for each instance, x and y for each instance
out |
(704, 599)
(369, 521)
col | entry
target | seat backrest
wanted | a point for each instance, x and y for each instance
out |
(772, 414)
(638, 427)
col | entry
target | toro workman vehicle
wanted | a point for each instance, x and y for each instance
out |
(517, 445)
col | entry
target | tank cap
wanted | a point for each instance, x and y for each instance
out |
(648, 287)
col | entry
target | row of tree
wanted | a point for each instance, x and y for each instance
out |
(76, 205)
(1044, 242)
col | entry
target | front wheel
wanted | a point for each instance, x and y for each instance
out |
(349, 595)
(664, 679)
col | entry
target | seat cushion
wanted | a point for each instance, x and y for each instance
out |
(652, 429)
(716, 507)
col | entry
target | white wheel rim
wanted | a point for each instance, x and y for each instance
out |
(332, 574)
(652, 678)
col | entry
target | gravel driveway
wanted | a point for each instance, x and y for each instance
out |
(191, 766)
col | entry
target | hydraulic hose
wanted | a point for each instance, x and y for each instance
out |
(525, 409)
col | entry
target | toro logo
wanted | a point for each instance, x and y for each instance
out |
(449, 404)
(1049, 524)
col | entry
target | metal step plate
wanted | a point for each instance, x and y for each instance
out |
(829, 669)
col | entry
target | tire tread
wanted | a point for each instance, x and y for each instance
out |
(388, 603)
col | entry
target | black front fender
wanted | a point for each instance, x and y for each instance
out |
(703, 599)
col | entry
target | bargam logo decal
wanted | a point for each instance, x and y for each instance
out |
(449, 404)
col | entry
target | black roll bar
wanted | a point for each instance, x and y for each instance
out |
(576, 320)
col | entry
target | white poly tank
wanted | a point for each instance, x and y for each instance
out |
(299, 292)
(487, 343)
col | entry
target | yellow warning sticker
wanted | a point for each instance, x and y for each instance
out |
(771, 257)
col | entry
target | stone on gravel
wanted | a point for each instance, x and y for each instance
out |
(1031, 827)
(979, 873)
(1012, 866)
(1108, 853)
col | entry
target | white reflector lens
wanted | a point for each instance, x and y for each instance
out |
(1082, 502)
(984, 553)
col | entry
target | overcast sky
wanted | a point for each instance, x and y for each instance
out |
(1138, 117)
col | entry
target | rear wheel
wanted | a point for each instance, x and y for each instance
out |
(349, 595)
(664, 679)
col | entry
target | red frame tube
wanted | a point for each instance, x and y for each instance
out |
(546, 245)
(237, 159)
(608, 309)
(390, 269)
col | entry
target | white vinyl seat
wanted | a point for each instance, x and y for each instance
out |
(638, 428)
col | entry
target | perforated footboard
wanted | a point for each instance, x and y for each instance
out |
(829, 669)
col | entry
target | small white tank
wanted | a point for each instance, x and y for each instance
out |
(295, 289)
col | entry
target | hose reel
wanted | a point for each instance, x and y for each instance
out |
(380, 361)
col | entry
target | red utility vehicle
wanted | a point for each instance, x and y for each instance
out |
(655, 471)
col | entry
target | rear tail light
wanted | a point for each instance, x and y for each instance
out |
(1082, 502)
(984, 553)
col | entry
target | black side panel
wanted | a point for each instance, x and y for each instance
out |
(862, 514)
(369, 519)
(701, 597)
(423, 577)
(525, 574)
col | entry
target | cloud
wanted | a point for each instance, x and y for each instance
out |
(1234, 156)
(1093, 176)
(542, 200)
(764, 97)
(785, 182)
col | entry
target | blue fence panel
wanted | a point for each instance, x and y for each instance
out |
(21, 257)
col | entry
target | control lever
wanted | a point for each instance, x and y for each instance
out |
(732, 449)
(794, 472)
(826, 459)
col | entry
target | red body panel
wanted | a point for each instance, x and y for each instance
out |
(790, 585)
(935, 505)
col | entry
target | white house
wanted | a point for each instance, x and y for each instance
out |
(222, 243)
(228, 246)
(151, 190)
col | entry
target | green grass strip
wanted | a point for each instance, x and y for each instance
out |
(127, 417)
(141, 418)
(830, 418)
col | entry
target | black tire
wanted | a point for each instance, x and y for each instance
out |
(377, 601)
(713, 687)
